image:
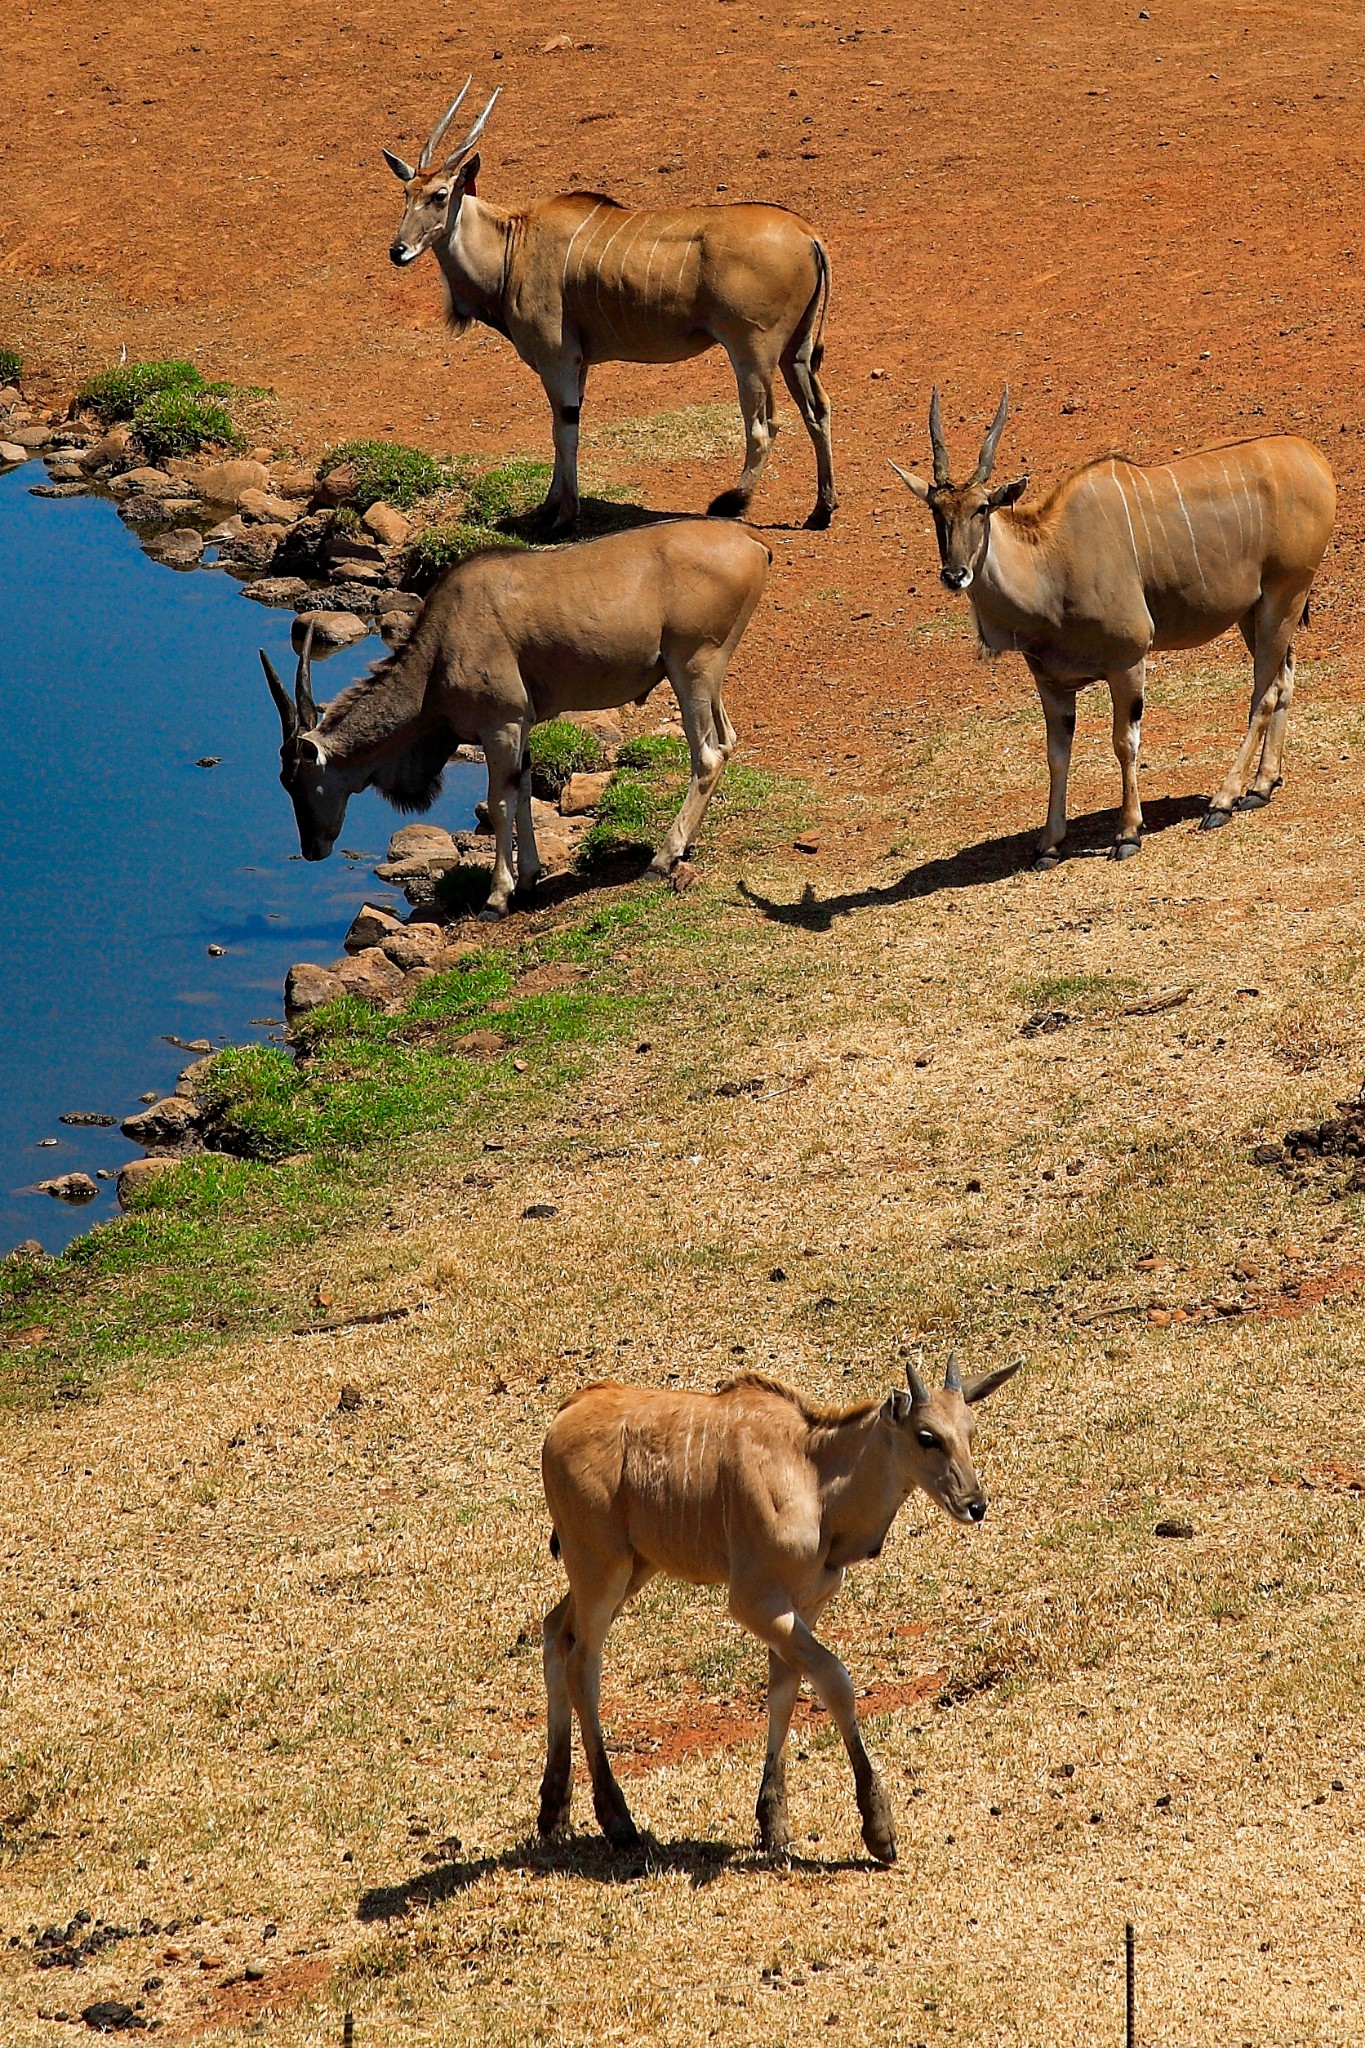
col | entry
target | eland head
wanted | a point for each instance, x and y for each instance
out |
(962, 512)
(934, 1429)
(319, 799)
(435, 190)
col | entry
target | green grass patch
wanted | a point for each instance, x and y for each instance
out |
(643, 798)
(389, 472)
(181, 421)
(11, 366)
(429, 554)
(560, 750)
(508, 492)
(116, 394)
(1074, 991)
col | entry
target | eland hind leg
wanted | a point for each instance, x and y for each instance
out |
(812, 402)
(1269, 633)
(593, 1614)
(755, 381)
(697, 683)
(556, 1787)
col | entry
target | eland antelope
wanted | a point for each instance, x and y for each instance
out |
(577, 280)
(752, 1489)
(510, 638)
(1125, 559)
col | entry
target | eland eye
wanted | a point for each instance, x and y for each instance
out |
(927, 1441)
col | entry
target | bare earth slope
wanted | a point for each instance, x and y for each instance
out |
(270, 1659)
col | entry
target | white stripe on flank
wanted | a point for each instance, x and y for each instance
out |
(1194, 545)
(1123, 500)
(1232, 500)
(1140, 475)
(654, 249)
(687, 251)
(598, 266)
(586, 220)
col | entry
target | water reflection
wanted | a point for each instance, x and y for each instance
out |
(121, 861)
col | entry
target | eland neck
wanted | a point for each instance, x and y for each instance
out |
(382, 711)
(863, 1488)
(1010, 592)
(473, 259)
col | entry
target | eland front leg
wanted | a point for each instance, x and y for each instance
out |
(565, 383)
(1126, 691)
(1059, 712)
(775, 1623)
(503, 750)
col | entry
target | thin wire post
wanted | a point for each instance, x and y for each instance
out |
(1129, 2003)
(348, 2028)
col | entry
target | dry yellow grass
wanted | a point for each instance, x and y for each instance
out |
(265, 1655)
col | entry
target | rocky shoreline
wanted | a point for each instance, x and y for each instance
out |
(275, 528)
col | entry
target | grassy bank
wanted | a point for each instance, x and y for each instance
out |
(310, 1139)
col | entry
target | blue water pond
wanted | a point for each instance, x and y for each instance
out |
(121, 862)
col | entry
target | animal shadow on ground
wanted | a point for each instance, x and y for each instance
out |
(989, 860)
(596, 517)
(589, 1857)
(600, 516)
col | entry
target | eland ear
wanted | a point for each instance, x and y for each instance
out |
(980, 1390)
(1008, 494)
(912, 482)
(898, 1406)
(398, 167)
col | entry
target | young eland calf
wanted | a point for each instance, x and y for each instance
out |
(752, 1489)
(507, 640)
(1124, 559)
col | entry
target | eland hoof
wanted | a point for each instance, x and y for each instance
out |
(491, 916)
(1048, 858)
(1124, 849)
(1213, 821)
(1252, 801)
(820, 518)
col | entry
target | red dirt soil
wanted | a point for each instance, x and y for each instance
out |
(1148, 226)
(702, 1727)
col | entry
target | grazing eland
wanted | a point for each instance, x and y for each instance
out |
(511, 638)
(1123, 560)
(752, 1489)
(577, 280)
